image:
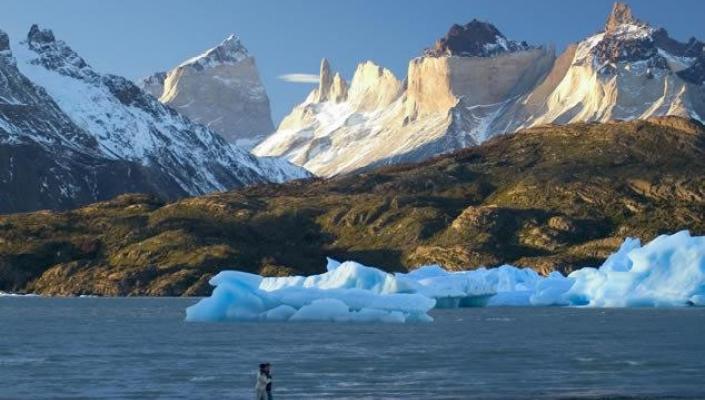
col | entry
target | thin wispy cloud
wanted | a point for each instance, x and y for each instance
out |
(299, 78)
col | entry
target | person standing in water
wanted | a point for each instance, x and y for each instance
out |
(269, 384)
(263, 387)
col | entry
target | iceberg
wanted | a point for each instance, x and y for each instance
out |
(669, 271)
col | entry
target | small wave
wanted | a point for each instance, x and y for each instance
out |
(348, 384)
(633, 363)
(21, 360)
(584, 359)
(202, 379)
(499, 319)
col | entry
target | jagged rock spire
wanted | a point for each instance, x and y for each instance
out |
(621, 14)
(325, 80)
(339, 89)
(330, 86)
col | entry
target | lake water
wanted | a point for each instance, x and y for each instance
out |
(140, 348)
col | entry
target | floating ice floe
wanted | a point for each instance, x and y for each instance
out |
(6, 294)
(669, 271)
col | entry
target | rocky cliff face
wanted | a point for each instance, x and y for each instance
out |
(221, 89)
(474, 83)
(445, 103)
(70, 135)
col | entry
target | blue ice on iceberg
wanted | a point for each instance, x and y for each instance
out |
(668, 271)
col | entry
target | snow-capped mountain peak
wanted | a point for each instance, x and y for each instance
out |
(446, 102)
(221, 89)
(627, 42)
(37, 36)
(629, 70)
(624, 39)
(229, 51)
(56, 55)
(474, 84)
(109, 118)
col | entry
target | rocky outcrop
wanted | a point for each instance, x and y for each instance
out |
(154, 84)
(221, 89)
(4, 42)
(373, 87)
(621, 14)
(474, 39)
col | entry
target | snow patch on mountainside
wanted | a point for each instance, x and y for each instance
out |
(230, 51)
(130, 125)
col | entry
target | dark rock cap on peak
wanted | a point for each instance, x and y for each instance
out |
(231, 48)
(37, 35)
(476, 38)
(4, 41)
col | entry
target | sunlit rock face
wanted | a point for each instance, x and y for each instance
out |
(629, 70)
(474, 84)
(221, 89)
(443, 105)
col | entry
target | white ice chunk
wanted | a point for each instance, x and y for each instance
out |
(331, 264)
(322, 310)
(698, 300)
(280, 313)
(668, 271)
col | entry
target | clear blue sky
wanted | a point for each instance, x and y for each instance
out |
(134, 38)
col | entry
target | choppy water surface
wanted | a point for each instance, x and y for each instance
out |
(141, 349)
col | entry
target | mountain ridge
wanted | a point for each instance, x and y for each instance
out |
(550, 197)
(459, 95)
(71, 136)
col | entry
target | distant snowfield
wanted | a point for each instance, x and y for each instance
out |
(667, 272)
